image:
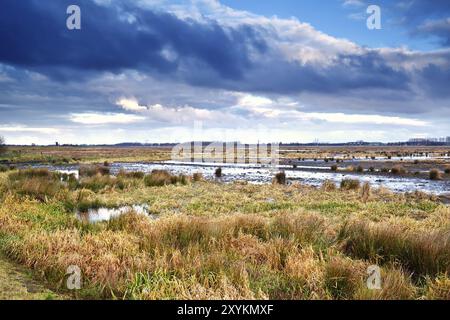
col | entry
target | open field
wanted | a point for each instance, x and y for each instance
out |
(65, 155)
(210, 240)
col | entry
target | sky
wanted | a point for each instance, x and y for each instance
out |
(157, 71)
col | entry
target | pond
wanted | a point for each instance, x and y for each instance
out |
(106, 214)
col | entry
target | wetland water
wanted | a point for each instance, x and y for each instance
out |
(306, 173)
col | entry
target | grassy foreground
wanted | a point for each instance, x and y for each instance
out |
(16, 283)
(225, 241)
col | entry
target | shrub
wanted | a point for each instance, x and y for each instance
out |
(398, 170)
(2, 145)
(334, 167)
(419, 252)
(3, 168)
(360, 169)
(438, 289)
(435, 174)
(350, 184)
(371, 169)
(365, 192)
(328, 185)
(350, 168)
(218, 173)
(198, 176)
(93, 170)
(342, 276)
(183, 179)
(447, 170)
(37, 183)
(280, 178)
(131, 175)
(98, 182)
(384, 170)
(158, 178)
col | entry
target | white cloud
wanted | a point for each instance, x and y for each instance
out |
(285, 111)
(21, 128)
(94, 118)
(251, 101)
(130, 104)
(173, 115)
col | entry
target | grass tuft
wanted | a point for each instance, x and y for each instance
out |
(435, 174)
(350, 184)
(280, 178)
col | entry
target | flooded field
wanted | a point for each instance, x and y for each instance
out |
(307, 172)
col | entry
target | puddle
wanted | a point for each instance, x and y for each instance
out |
(106, 214)
(75, 173)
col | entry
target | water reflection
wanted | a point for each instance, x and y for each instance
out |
(106, 214)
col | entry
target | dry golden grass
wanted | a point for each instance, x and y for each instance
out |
(233, 241)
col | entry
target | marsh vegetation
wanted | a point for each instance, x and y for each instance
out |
(215, 240)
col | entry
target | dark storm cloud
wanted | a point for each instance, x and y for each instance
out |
(350, 72)
(121, 36)
(34, 35)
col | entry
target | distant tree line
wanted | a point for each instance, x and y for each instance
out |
(2, 145)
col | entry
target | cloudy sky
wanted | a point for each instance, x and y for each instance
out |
(247, 70)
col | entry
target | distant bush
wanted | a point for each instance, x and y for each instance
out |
(37, 183)
(183, 179)
(384, 170)
(198, 176)
(435, 174)
(131, 174)
(93, 170)
(350, 184)
(159, 178)
(334, 167)
(359, 169)
(398, 170)
(218, 173)
(447, 170)
(365, 192)
(2, 145)
(328, 185)
(4, 168)
(98, 182)
(371, 169)
(280, 178)
(32, 173)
